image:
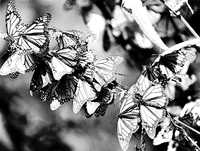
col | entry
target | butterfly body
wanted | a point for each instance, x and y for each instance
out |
(105, 97)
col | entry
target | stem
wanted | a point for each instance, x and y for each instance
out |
(189, 27)
(186, 136)
(141, 146)
(140, 14)
(178, 46)
(192, 129)
(190, 8)
(184, 20)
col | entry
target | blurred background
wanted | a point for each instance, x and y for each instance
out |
(27, 124)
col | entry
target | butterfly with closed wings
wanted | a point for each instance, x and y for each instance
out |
(98, 73)
(105, 97)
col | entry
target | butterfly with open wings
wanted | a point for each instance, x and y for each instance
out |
(24, 40)
(140, 106)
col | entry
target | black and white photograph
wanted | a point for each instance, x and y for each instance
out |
(99, 75)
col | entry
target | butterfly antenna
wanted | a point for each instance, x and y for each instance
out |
(121, 74)
(121, 87)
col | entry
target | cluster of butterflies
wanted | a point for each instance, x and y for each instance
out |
(66, 70)
(144, 104)
(64, 67)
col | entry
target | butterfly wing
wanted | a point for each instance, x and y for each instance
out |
(105, 97)
(172, 63)
(143, 83)
(128, 119)
(90, 108)
(13, 20)
(35, 36)
(66, 89)
(84, 93)
(104, 69)
(17, 62)
(41, 77)
(191, 53)
(66, 39)
(153, 110)
(59, 68)
(165, 134)
(68, 56)
(59, 92)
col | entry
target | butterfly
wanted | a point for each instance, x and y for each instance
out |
(97, 74)
(64, 39)
(33, 37)
(72, 38)
(105, 97)
(51, 90)
(166, 68)
(60, 91)
(18, 62)
(166, 133)
(102, 69)
(24, 40)
(169, 64)
(52, 80)
(42, 76)
(140, 106)
(62, 62)
(152, 75)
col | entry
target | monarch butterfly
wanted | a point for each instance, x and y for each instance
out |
(18, 62)
(55, 78)
(166, 133)
(63, 39)
(98, 73)
(50, 89)
(167, 65)
(140, 106)
(85, 92)
(24, 40)
(105, 97)
(60, 91)
(32, 37)
(102, 69)
(72, 38)
(42, 76)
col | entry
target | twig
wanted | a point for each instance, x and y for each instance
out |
(192, 129)
(189, 27)
(178, 46)
(183, 19)
(187, 137)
